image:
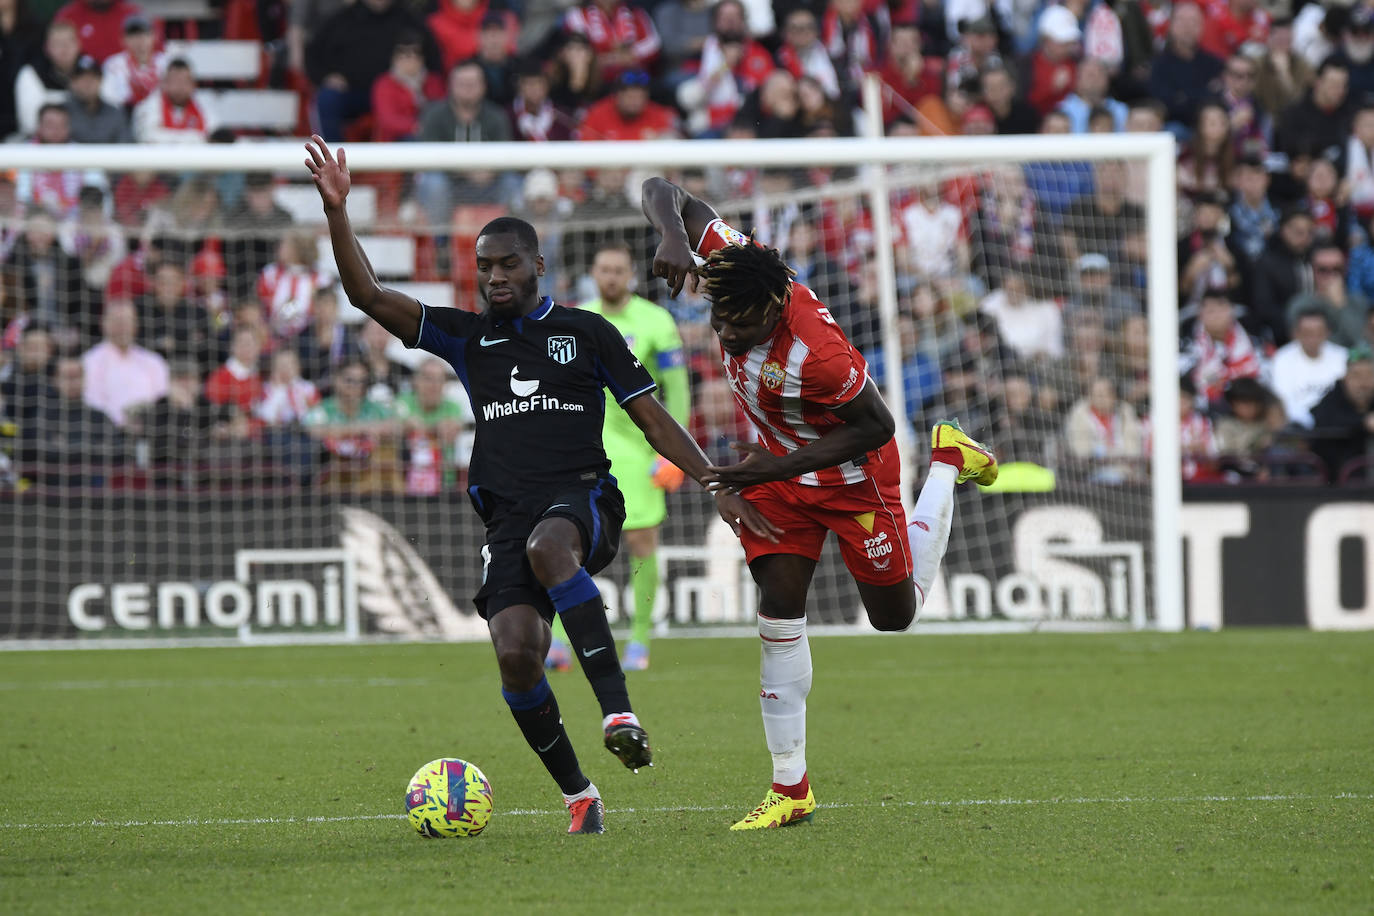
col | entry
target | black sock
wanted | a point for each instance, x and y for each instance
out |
(536, 712)
(583, 614)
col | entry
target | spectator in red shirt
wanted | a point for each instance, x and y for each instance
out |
(132, 278)
(803, 54)
(135, 194)
(909, 74)
(732, 66)
(1220, 350)
(238, 381)
(456, 26)
(851, 36)
(174, 113)
(1233, 24)
(133, 73)
(623, 36)
(628, 114)
(100, 24)
(400, 93)
(1053, 66)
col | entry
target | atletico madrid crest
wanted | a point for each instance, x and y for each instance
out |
(563, 350)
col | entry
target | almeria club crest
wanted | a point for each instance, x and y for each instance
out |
(772, 375)
(563, 350)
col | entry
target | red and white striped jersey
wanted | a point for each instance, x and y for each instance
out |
(286, 292)
(790, 384)
(627, 27)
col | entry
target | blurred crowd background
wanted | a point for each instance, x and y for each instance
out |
(187, 330)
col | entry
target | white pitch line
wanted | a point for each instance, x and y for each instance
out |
(184, 683)
(679, 809)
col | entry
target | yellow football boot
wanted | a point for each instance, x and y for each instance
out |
(979, 464)
(777, 810)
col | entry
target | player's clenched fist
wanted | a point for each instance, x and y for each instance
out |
(673, 262)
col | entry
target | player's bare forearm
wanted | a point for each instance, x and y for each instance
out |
(667, 436)
(670, 440)
(662, 203)
(867, 426)
(395, 311)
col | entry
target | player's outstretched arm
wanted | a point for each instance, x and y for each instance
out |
(867, 426)
(680, 219)
(670, 440)
(398, 313)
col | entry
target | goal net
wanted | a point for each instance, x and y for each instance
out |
(203, 440)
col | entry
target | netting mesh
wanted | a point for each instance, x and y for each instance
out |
(203, 438)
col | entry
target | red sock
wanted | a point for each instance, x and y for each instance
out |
(798, 791)
(950, 455)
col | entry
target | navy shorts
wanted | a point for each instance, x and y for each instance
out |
(507, 577)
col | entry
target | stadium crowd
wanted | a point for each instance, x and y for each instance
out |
(183, 328)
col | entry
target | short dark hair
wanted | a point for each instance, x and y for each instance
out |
(1312, 311)
(1293, 212)
(1097, 112)
(353, 362)
(179, 63)
(1247, 389)
(524, 233)
(1333, 62)
(999, 68)
(407, 38)
(746, 279)
(53, 106)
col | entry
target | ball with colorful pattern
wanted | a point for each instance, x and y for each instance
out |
(449, 797)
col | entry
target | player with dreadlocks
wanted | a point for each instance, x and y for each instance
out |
(825, 461)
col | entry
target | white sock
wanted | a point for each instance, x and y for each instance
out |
(589, 792)
(627, 718)
(928, 530)
(785, 674)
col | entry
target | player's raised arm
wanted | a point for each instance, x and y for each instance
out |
(398, 313)
(680, 219)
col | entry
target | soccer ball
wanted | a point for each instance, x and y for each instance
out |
(448, 797)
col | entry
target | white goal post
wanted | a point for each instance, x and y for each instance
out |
(882, 167)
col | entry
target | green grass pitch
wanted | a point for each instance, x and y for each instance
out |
(1196, 773)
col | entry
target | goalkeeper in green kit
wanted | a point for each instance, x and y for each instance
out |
(642, 475)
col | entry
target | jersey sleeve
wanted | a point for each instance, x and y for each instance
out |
(444, 331)
(717, 235)
(670, 371)
(834, 371)
(833, 375)
(668, 351)
(624, 376)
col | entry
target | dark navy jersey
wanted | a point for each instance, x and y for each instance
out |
(537, 386)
